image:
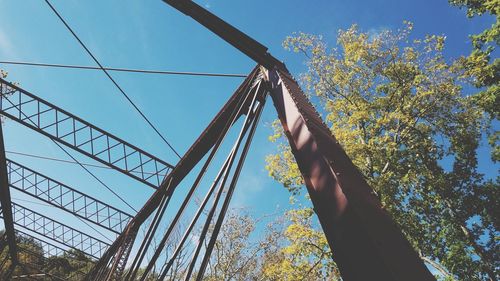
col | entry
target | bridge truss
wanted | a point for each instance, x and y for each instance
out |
(73, 132)
(367, 244)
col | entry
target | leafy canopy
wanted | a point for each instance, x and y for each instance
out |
(480, 66)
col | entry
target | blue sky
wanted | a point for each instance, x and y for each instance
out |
(152, 35)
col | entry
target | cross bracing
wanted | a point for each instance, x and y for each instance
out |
(57, 231)
(48, 249)
(62, 196)
(72, 131)
(32, 261)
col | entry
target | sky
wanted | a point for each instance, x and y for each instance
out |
(153, 35)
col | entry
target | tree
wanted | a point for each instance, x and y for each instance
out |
(179, 263)
(58, 266)
(479, 65)
(398, 109)
(29, 252)
(301, 252)
(71, 265)
(288, 249)
(235, 255)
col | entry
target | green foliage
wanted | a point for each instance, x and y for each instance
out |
(398, 109)
(72, 265)
(479, 65)
(305, 254)
(478, 8)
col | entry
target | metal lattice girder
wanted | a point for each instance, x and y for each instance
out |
(58, 232)
(66, 198)
(47, 249)
(70, 130)
(34, 260)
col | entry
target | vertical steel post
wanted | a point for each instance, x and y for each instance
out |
(6, 203)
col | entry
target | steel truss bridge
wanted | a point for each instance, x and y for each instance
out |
(366, 243)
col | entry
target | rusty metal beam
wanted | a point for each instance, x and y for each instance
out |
(229, 33)
(5, 200)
